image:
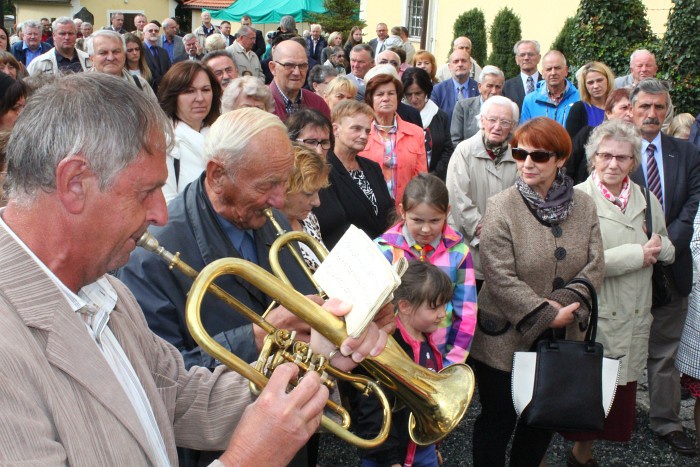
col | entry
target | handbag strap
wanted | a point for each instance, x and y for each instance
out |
(593, 321)
(650, 228)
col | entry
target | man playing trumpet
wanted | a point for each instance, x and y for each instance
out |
(84, 382)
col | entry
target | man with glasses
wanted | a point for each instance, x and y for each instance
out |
(259, 48)
(447, 93)
(64, 56)
(156, 57)
(480, 167)
(378, 44)
(288, 67)
(30, 47)
(554, 98)
(527, 56)
(246, 60)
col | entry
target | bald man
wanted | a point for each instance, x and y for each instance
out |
(554, 97)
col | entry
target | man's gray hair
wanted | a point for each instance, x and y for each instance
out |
(526, 41)
(114, 35)
(188, 36)
(31, 23)
(244, 31)
(490, 70)
(289, 24)
(319, 73)
(637, 52)
(617, 130)
(232, 133)
(62, 20)
(503, 101)
(650, 86)
(363, 47)
(110, 124)
(246, 86)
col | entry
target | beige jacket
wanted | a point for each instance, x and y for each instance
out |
(625, 298)
(472, 178)
(60, 402)
(525, 263)
(46, 63)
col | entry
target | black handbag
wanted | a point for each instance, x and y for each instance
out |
(573, 384)
(660, 280)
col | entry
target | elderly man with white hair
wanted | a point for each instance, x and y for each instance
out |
(64, 57)
(315, 43)
(480, 167)
(466, 115)
(30, 47)
(107, 51)
(205, 30)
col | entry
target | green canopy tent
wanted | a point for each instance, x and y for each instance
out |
(269, 11)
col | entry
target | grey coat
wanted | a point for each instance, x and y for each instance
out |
(525, 264)
(465, 119)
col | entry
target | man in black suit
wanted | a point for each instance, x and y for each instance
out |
(156, 57)
(315, 43)
(259, 47)
(527, 56)
(378, 43)
(671, 169)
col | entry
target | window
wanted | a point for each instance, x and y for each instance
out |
(415, 18)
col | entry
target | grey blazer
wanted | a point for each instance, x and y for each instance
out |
(60, 402)
(465, 119)
(178, 50)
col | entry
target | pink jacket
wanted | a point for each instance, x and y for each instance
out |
(410, 149)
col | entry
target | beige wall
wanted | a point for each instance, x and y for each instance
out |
(540, 19)
(154, 9)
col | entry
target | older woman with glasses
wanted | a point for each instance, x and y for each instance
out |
(536, 237)
(595, 83)
(631, 248)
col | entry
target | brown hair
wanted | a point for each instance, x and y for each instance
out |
(428, 189)
(544, 133)
(143, 66)
(310, 171)
(380, 80)
(176, 81)
(424, 282)
(616, 96)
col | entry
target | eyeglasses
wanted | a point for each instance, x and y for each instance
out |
(289, 67)
(394, 63)
(314, 143)
(504, 123)
(622, 159)
(538, 155)
(526, 54)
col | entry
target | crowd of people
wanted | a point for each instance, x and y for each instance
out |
(499, 191)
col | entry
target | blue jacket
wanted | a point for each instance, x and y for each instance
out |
(194, 230)
(537, 104)
(21, 55)
(445, 97)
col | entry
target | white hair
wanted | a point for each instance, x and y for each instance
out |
(104, 33)
(503, 101)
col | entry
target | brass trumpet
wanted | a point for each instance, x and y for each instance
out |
(437, 401)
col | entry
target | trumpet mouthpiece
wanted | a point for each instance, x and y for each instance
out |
(148, 242)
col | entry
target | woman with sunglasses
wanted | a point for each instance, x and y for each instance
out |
(631, 249)
(536, 237)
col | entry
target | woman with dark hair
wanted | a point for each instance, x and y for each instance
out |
(595, 83)
(396, 145)
(191, 96)
(357, 193)
(135, 62)
(617, 107)
(354, 38)
(312, 129)
(13, 97)
(4, 39)
(536, 237)
(417, 87)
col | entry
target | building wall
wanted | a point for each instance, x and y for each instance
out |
(153, 9)
(540, 19)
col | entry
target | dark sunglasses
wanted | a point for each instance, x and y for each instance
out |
(538, 155)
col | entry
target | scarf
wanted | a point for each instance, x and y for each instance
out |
(494, 150)
(556, 207)
(621, 201)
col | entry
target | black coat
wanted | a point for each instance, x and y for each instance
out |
(514, 90)
(343, 203)
(439, 133)
(159, 66)
(681, 171)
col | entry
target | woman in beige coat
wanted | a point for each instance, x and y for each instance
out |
(613, 152)
(536, 237)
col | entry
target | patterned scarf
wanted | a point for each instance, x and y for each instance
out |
(494, 150)
(619, 201)
(556, 207)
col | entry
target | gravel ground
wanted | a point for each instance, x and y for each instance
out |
(645, 448)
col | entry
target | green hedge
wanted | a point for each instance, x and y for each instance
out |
(505, 32)
(472, 24)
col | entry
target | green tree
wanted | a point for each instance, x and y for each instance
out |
(564, 42)
(472, 24)
(341, 15)
(679, 55)
(609, 31)
(505, 32)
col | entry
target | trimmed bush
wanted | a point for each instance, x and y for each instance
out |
(472, 24)
(505, 32)
(341, 16)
